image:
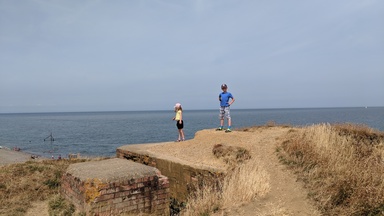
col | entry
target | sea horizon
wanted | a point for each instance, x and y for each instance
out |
(99, 133)
(208, 109)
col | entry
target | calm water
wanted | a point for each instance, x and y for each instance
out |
(100, 133)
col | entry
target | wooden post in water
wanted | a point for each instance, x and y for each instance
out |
(50, 138)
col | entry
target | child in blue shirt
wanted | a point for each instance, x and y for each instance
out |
(226, 100)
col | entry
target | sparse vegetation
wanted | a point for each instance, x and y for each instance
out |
(342, 165)
(25, 183)
(269, 124)
(59, 206)
(231, 155)
(246, 182)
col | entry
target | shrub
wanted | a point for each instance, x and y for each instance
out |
(231, 155)
(59, 206)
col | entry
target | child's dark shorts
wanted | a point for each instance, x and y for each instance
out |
(180, 125)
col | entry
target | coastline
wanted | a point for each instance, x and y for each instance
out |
(102, 139)
(8, 156)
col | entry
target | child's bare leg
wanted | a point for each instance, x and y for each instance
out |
(182, 134)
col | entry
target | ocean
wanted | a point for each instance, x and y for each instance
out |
(100, 133)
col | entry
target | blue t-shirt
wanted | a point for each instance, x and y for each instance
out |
(224, 98)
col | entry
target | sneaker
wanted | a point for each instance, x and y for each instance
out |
(219, 128)
(228, 130)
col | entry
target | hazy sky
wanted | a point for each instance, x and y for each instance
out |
(117, 55)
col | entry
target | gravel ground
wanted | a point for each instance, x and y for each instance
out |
(9, 156)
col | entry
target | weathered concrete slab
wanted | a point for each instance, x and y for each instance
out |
(111, 170)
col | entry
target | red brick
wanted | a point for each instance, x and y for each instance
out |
(104, 197)
(162, 196)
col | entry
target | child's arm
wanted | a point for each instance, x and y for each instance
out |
(231, 102)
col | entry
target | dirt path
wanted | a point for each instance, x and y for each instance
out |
(287, 197)
(38, 208)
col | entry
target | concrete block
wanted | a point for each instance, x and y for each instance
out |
(111, 187)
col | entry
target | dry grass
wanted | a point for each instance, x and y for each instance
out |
(231, 155)
(25, 183)
(342, 165)
(206, 199)
(60, 206)
(246, 182)
(268, 124)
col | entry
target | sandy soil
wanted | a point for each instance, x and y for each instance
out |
(287, 197)
(9, 156)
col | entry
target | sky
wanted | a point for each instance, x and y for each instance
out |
(118, 55)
